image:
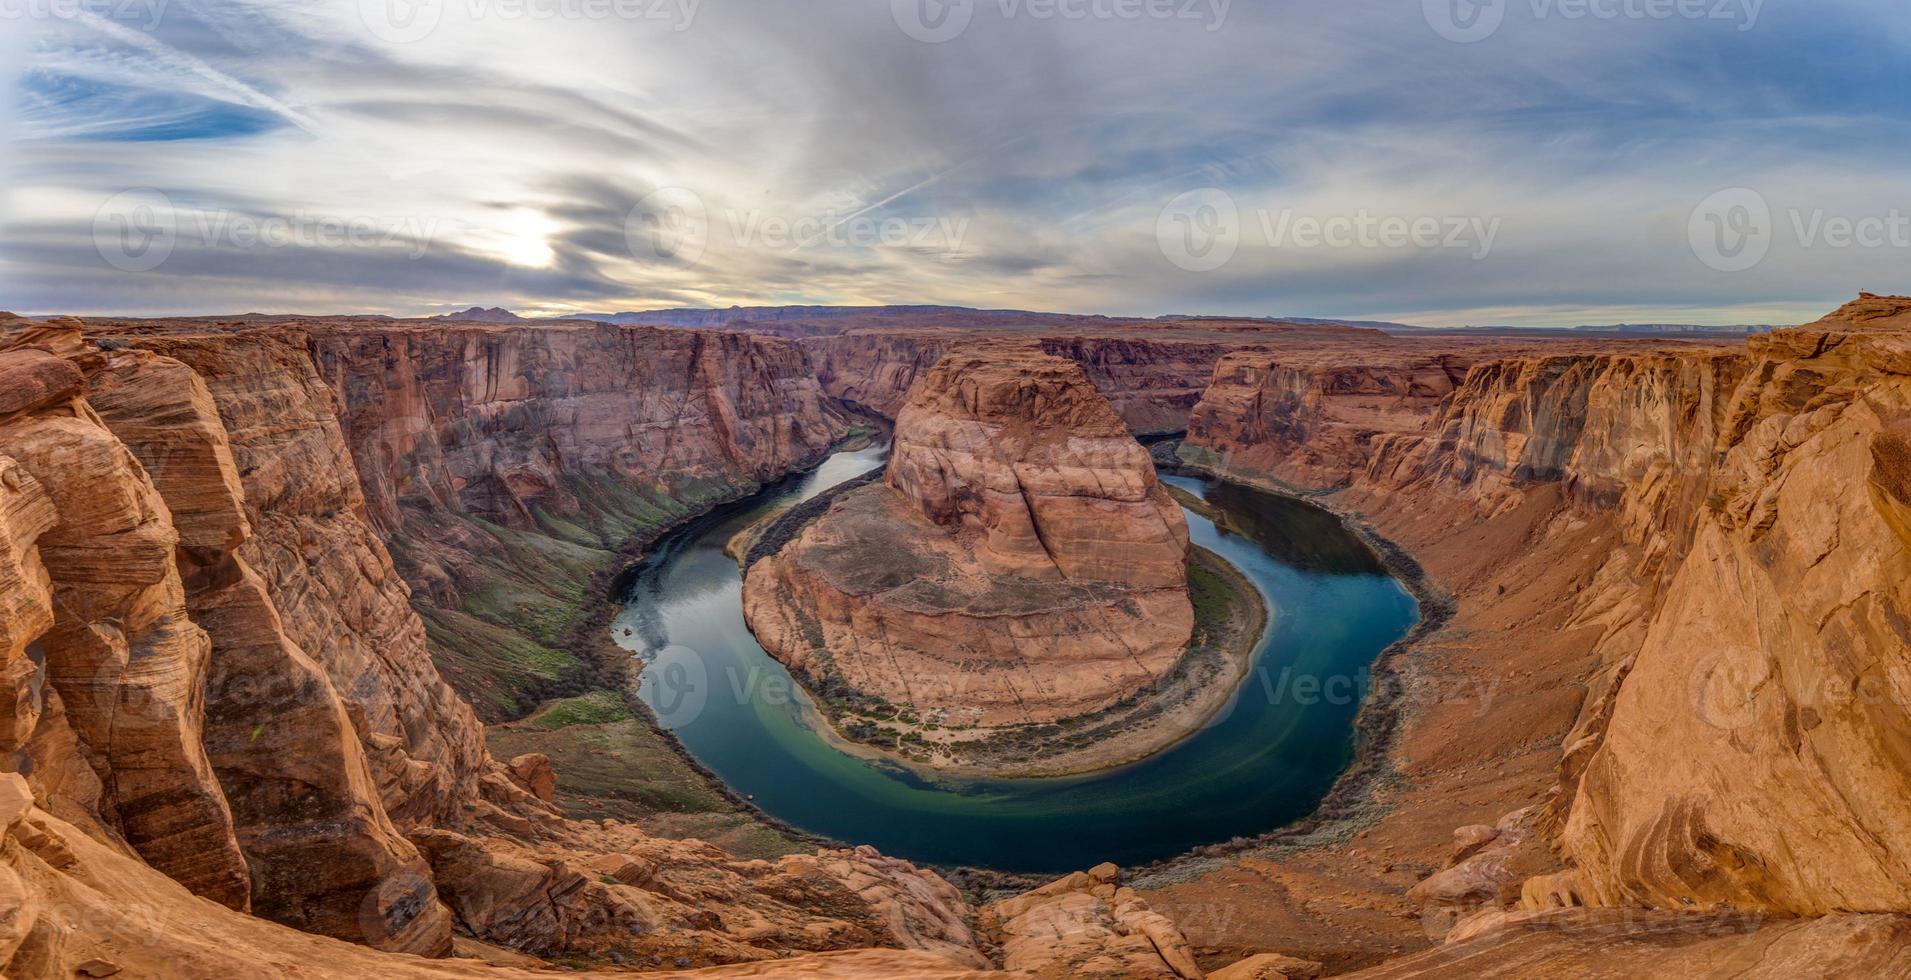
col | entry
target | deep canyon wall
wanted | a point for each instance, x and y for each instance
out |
(230, 552)
(1751, 613)
(217, 674)
(1152, 380)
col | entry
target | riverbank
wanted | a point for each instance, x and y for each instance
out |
(1231, 618)
(613, 760)
(1200, 787)
(1353, 804)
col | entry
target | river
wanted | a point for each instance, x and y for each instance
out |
(1266, 760)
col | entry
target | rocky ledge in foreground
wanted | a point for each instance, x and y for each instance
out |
(1019, 565)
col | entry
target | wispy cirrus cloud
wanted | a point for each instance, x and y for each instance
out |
(835, 158)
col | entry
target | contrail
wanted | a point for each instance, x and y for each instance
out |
(885, 202)
(183, 61)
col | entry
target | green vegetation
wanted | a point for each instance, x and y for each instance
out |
(522, 631)
(1215, 598)
(625, 770)
(495, 667)
(512, 640)
(595, 708)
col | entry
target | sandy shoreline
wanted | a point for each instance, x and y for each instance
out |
(1350, 805)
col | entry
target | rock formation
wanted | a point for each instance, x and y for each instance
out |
(1778, 657)
(111, 696)
(508, 466)
(227, 552)
(1312, 418)
(1019, 565)
(1743, 599)
(1153, 375)
(305, 804)
(217, 684)
(1088, 925)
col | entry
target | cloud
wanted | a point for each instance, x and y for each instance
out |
(1025, 163)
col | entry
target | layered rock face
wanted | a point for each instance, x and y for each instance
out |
(1741, 740)
(1022, 449)
(507, 467)
(108, 702)
(336, 592)
(1019, 564)
(178, 712)
(75, 906)
(1313, 418)
(511, 423)
(1778, 658)
(215, 675)
(305, 801)
(1153, 375)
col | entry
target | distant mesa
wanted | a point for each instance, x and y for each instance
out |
(478, 314)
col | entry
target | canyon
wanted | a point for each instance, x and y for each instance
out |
(267, 582)
(1018, 564)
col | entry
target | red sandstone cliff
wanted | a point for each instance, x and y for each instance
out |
(1313, 417)
(507, 466)
(1152, 374)
(218, 681)
(1739, 743)
(1020, 565)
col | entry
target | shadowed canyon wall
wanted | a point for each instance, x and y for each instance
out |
(1151, 377)
(229, 553)
(1752, 611)
(508, 467)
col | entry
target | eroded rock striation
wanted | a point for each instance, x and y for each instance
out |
(509, 466)
(216, 683)
(1020, 563)
(1680, 572)
(1314, 418)
(1153, 373)
(1777, 656)
(1721, 534)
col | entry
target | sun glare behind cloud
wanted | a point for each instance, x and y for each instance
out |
(521, 238)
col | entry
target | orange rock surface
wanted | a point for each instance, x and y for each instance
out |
(1705, 539)
(1668, 714)
(1020, 564)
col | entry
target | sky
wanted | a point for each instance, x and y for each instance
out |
(1446, 162)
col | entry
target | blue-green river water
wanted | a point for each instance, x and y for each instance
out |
(1266, 760)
